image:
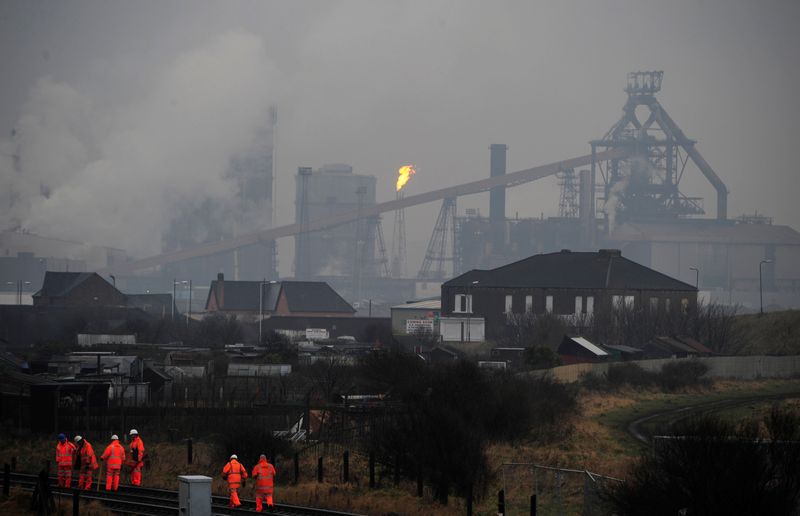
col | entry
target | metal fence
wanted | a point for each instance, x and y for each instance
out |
(559, 491)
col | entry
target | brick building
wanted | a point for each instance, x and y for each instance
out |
(567, 284)
(77, 289)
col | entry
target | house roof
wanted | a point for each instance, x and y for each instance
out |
(313, 296)
(567, 269)
(427, 304)
(243, 295)
(59, 284)
(588, 346)
(622, 348)
(694, 343)
(672, 344)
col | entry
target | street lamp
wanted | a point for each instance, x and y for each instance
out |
(696, 276)
(761, 284)
(260, 307)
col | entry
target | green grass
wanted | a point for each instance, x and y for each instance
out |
(652, 403)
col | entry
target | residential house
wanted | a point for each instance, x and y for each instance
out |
(567, 284)
(77, 289)
(254, 299)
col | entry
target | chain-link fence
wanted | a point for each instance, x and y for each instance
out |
(559, 491)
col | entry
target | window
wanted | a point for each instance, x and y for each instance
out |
(653, 304)
(548, 304)
(578, 305)
(667, 307)
(684, 305)
(529, 303)
(620, 302)
(463, 304)
(509, 304)
(589, 304)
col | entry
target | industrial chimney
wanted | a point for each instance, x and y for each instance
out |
(497, 196)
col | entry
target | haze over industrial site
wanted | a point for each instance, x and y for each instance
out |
(139, 127)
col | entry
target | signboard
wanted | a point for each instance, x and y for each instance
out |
(419, 325)
(317, 334)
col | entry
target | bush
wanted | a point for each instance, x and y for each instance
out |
(679, 375)
(630, 374)
(248, 442)
(712, 466)
(541, 357)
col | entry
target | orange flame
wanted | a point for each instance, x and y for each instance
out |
(404, 174)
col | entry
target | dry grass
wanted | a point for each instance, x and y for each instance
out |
(19, 502)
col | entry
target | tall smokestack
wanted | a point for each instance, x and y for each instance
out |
(497, 197)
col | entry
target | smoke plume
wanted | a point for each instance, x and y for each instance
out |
(118, 175)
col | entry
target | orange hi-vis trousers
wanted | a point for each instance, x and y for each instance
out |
(65, 476)
(85, 479)
(112, 479)
(263, 497)
(136, 474)
(235, 497)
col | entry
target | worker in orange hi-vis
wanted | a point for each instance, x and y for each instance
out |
(65, 454)
(87, 463)
(235, 474)
(135, 458)
(264, 475)
(114, 455)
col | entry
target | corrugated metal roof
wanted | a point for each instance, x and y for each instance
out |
(566, 269)
(589, 346)
(428, 304)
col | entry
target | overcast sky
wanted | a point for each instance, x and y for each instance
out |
(147, 100)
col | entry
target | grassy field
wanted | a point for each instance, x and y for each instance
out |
(774, 333)
(594, 439)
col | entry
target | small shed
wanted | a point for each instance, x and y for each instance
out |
(622, 352)
(667, 347)
(575, 350)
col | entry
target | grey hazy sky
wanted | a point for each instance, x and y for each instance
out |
(379, 84)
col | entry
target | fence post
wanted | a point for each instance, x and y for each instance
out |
(189, 450)
(501, 503)
(396, 469)
(319, 470)
(533, 505)
(346, 466)
(76, 502)
(372, 470)
(296, 468)
(419, 481)
(13, 464)
(469, 500)
(6, 479)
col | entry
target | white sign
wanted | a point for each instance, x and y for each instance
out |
(419, 325)
(317, 334)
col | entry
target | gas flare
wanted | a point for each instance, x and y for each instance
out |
(404, 173)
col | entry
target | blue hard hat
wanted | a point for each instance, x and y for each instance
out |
(62, 437)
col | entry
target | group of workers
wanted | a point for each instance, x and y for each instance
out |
(80, 456)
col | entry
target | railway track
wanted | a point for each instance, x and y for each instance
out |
(157, 502)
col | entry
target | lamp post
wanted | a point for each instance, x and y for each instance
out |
(761, 284)
(189, 304)
(260, 307)
(189, 308)
(696, 276)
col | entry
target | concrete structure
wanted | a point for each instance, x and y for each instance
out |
(331, 190)
(409, 317)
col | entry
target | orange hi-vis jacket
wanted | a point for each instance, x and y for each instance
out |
(64, 454)
(234, 472)
(114, 455)
(88, 460)
(264, 473)
(136, 457)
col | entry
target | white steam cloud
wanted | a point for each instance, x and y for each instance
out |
(118, 176)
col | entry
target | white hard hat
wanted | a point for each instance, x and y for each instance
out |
(133, 432)
(114, 437)
(78, 438)
(234, 456)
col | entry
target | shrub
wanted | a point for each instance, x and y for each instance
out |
(712, 466)
(679, 375)
(630, 374)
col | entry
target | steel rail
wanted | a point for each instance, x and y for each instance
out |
(149, 501)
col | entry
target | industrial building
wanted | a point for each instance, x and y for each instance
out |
(625, 193)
